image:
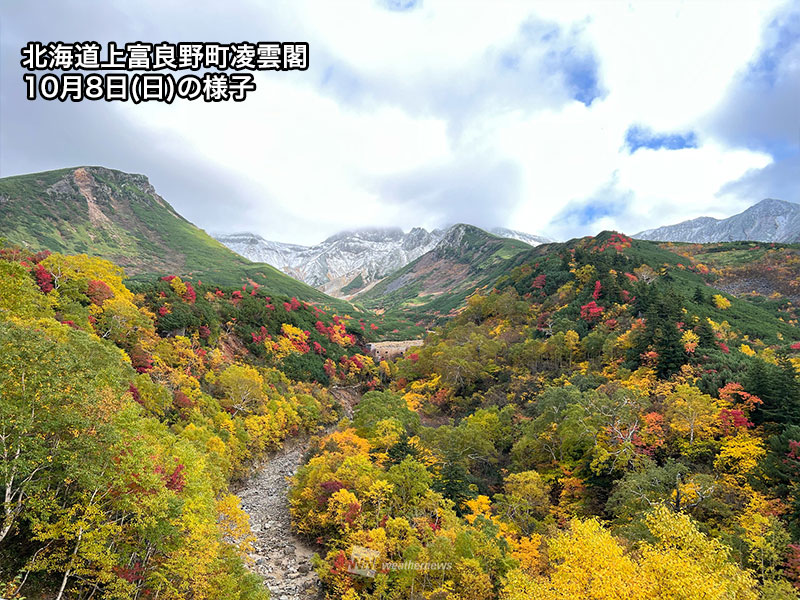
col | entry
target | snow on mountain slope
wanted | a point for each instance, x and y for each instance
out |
(528, 238)
(337, 261)
(768, 221)
(349, 261)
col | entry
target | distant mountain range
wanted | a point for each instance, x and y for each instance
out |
(768, 221)
(351, 261)
(121, 217)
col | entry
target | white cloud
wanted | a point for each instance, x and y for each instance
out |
(400, 109)
(667, 63)
(305, 153)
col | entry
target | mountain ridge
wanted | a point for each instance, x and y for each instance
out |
(436, 284)
(337, 261)
(769, 220)
(351, 261)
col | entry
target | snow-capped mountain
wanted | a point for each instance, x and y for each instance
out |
(340, 259)
(768, 221)
(528, 238)
(257, 249)
(350, 261)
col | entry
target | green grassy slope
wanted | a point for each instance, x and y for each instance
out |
(120, 217)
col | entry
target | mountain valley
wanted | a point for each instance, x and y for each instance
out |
(183, 422)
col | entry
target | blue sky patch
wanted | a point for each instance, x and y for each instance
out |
(400, 5)
(593, 211)
(582, 78)
(643, 137)
(608, 202)
(784, 36)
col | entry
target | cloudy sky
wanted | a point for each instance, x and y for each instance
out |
(558, 118)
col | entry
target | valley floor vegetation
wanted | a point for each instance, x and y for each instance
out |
(600, 423)
(123, 416)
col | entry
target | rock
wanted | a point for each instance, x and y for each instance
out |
(282, 559)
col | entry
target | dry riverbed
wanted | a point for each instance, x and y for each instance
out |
(280, 557)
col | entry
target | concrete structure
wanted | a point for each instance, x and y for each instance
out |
(391, 350)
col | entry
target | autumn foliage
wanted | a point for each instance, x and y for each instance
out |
(123, 439)
(596, 425)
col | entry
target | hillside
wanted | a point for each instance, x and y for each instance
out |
(436, 286)
(768, 221)
(542, 275)
(600, 423)
(765, 274)
(120, 217)
(121, 444)
(599, 399)
(437, 283)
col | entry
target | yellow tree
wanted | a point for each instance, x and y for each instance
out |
(682, 564)
(19, 295)
(243, 387)
(690, 411)
(739, 457)
(588, 563)
(78, 540)
(83, 267)
(686, 564)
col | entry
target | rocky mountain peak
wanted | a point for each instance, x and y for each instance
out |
(769, 220)
(350, 261)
